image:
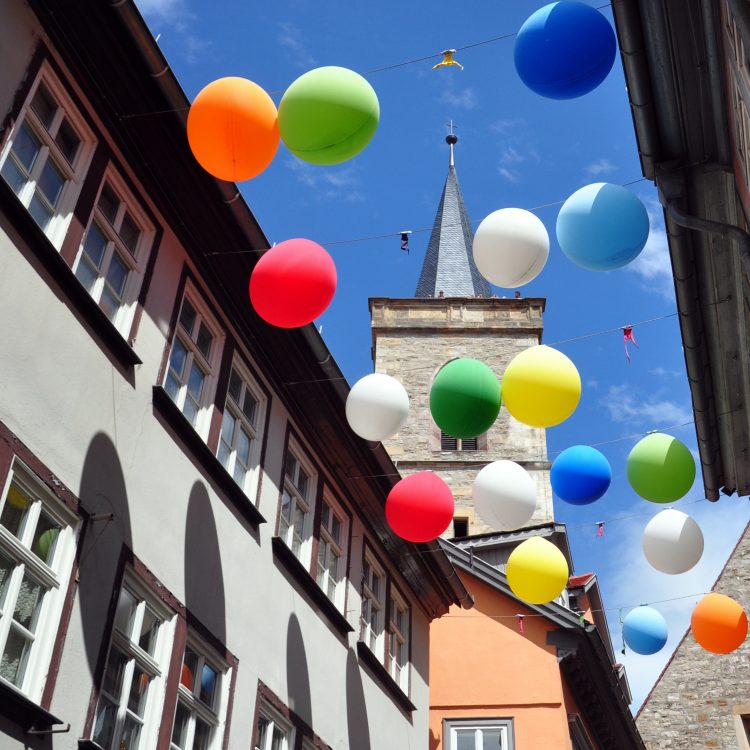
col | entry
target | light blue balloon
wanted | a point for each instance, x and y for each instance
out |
(645, 630)
(602, 227)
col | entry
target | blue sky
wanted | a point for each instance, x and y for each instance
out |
(516, 149)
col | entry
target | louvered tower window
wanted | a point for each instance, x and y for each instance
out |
(450, 443)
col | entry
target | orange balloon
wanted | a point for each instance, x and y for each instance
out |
(719, 624)
(233, 129)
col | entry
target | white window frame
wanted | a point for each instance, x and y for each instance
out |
(215, 716)
(54, 577)
(306, 502)
(505, 725)
(274, 720)
(373, 638)
(250, 483)
(209, 365)
(326, 541)
(157, 665)
(134, 260)
(399, 672)
(74, 173)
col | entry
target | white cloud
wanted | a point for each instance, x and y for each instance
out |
(592, 383)
(175, 15)
(625, 404)
(507, 126)
(653, 265)
(331, 183)
(633, 581)
(463, 99)
(167, 10)
(290, 37)
(599, 168)
(509, 174)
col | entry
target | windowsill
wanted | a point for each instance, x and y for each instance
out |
(380, 673)
(74, 291)
(202, 453)
(315, 595)
(16, 707)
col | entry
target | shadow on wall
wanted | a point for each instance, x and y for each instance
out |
(204, 580)
(356, 708)
(297, 676)
(102, 493)
(434, 741)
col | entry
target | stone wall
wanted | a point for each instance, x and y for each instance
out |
(412, 340)
(700, 698)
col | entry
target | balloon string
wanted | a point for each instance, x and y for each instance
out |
(371, 71)
(603, 610)
(554, 343)
(355, 240)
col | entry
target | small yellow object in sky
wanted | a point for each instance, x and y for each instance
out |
(447, 60)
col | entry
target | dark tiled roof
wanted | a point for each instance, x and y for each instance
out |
(448, 263)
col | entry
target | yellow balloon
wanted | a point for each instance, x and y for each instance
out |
(537, 571)
(541, 387)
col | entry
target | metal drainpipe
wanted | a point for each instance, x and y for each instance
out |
(727, 231)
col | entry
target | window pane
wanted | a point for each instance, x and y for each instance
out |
(202, 735)
(28, 603)
(51, 182)
(178, 357)
(239, 473)
(109, 303)
(13, 175)
(172, 386)
(138, 691)
(181, 724)
(108, 203)
(302, 482)
(67, 141)
(290, 466)
(15, 656)
(492, 739)
(187, 316)
(195, 382)
(243, 447)
(235, 387)
(129, 233)
(117, 275)
(149, 632)
(325, 515)
(131, 734)
(6, 568)
(336, 530)
(44, 106)
(45, 538)
(227, 427)
(15, 510)
(249, 406)
(204, 341)
(112, 683)
(190, 410)
(105, 723)
(465, 739)
(26, 147)
(95, 244)
(126, 605)
(40, 211)
(86, 273)
(209, 678)
(189, 667)
(224, 453)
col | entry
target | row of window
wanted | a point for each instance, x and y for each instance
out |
(45, 160)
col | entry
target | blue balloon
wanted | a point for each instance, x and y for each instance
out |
(644, 630)
(564, 50)
(602, 227)
(580, 475)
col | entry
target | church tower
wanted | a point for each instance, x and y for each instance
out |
(453, 314)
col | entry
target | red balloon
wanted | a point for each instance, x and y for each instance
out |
(293, 283)
(420, 507)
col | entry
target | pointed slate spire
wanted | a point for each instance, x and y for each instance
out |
(448, 263)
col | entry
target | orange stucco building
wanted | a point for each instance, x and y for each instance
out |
(544, 680)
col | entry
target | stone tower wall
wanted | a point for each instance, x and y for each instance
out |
(700, 698)
(412, 340)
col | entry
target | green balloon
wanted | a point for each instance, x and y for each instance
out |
(661, 468)
(465, 398)
(45, 543)
(328, 115)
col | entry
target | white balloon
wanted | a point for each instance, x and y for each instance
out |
(504, 495)
(672, 542)
(511, 247)
(377, 407)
